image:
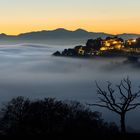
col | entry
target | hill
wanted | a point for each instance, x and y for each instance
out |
(60, 35)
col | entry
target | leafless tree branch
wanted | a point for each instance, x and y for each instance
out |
(119, 104)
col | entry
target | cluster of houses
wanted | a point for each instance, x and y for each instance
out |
(100, 46)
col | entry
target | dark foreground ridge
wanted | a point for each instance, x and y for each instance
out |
(51, 118)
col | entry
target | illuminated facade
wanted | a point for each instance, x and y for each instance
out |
(131, 46)
(131, 42)
(112, 43)
(81, 51)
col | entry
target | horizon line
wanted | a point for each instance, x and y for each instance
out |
(67, 30)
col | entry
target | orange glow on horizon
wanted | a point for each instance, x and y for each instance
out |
(29, 25)
(109, 16)
(15, 30)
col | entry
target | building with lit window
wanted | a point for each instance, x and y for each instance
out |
(112, 43)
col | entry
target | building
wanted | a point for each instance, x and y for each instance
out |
(131, 42)
(112, 43)
(132, 45)
(81, 51)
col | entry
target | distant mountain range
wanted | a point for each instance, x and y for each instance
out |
(62, 34)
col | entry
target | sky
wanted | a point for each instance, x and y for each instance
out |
(110, 16)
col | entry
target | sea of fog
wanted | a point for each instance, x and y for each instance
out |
(30, 70)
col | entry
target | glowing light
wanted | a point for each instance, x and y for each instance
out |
(134, 40)
(107, 44)
(115, 42)
(81, 51)
(103, 48)
(131, 41)
(118, 46)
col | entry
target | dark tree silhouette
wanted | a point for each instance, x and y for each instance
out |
(57, 53)
(94, 43)
(49, 117)
(119, 102)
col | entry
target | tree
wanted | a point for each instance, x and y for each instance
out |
(49, 117)
(94, 43)
(123, 101)
(57, 53)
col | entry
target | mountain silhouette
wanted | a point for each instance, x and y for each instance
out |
(80, 35)
(128, 36)
(61, 34)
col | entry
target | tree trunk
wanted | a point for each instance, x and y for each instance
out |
(123, 127)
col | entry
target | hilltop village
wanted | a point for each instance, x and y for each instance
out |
(110, 46)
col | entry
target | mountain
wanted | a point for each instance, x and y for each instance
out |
(61, 34)
(128, 36)
(3, 35)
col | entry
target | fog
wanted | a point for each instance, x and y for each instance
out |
(30, 70)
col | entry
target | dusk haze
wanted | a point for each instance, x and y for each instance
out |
(70, 69)
(110, 16)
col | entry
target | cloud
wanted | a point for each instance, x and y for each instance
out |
(31, 71)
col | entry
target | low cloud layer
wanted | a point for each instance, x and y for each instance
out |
(30, 70)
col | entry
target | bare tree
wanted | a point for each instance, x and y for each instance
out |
(119, 102)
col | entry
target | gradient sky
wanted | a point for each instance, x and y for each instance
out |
(111, 16)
